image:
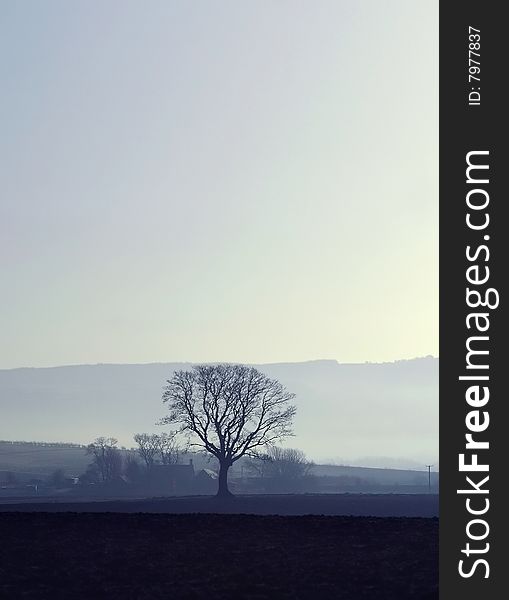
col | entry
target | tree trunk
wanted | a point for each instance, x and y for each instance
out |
(222, 490)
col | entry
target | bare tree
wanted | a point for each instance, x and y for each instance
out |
(169, 448)
(148, 447)
(106, 457)
(231, 410)
(285, 463)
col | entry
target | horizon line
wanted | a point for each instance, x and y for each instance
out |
(184, 362)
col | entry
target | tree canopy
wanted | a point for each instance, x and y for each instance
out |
(230, 411)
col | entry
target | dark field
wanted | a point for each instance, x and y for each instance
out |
(377, 505)
(205, 556)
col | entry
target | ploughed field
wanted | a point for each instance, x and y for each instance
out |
(68, 555)
(360, 505)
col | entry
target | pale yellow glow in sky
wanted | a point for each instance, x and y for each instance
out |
(218, 181)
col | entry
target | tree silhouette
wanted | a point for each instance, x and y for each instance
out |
(169, 448)
(147, 447)
(281, 463)
(231, 411)
(106, 457)
(165, 446)
(288, 463)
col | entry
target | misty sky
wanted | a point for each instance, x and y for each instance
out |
(218, 181)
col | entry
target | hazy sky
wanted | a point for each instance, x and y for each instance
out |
(234, 180)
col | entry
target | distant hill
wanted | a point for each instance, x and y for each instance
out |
(344, 410)
(41, 460)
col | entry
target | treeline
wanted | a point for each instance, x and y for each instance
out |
(277, 467)
(42, 444)
(110, 463)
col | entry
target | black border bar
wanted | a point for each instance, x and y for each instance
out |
(473, 120)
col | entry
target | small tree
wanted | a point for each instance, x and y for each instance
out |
(286, 463)
(169, 448)
(148, 447)
(282, 468)
(106, 457)
(230, 410)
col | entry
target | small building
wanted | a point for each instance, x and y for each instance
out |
(206, 481)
